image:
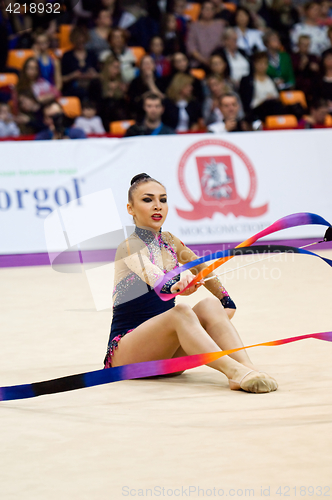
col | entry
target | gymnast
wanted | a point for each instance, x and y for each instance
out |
(145, 328)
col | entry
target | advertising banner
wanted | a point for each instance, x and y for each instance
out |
(221, 188)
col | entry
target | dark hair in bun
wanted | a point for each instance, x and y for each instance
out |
(139, 177)
(136, 181)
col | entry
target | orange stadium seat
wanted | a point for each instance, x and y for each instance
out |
(138, 52)
(289, 97)
(64, 37)
(198, 73)
(120, 127)
(281, 121)
(17, 58)
(230, 6)
(328, 121)
(71, 106)
(193, 10)
(8, 79)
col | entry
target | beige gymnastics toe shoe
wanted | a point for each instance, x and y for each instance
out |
(258, 384)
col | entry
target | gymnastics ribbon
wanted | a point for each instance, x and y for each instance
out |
(293, 220)
(222, 254)
(133, 371)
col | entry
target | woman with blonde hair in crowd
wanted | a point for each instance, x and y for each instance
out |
(182, 112)
(180, 64)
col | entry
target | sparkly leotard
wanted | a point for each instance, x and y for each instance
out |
(140, 262)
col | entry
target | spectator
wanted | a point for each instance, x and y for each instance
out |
(306, 67)
(217, 87)
(120, 18)
(325, 13)
(99, 35)
(182, 20)
(324, 87)
(163, 66)
(89, 122)
(118, 43)
(258, 91)
(221, 12)
(238, 62)
(219, 66)
(180, 64)
(319, 112)
(182, 113)
(30, 79)
(283, 17)
(108, 92)
(310, 26)
(144, 82)
(41, 21)
(50, 68)
(248, 39)
(30, 116)
(280, 64)
(19, 26)
(79, 66)
(145, 27)
(172, 37)
(55, 122)
(229, 109)
(152, 123)
(8, 127)
(259, 11)
(204, 36)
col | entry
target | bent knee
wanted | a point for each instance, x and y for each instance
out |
(210, 301)
(185, 311)
(205, 304)
(183, 308)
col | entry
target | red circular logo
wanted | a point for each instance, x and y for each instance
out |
(218, 183)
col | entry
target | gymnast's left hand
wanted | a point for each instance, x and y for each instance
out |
(185, 280)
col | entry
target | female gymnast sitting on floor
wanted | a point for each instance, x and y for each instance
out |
(145, 328)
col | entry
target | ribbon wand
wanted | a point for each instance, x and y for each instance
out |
(289, 221)
(327, 237)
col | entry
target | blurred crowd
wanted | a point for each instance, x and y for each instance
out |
(166, 66)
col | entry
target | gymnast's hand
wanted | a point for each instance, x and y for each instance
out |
(185, 280)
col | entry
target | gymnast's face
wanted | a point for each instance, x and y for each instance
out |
(149, 205)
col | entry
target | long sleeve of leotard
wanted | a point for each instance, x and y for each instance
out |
(132, 256)
(186, 255)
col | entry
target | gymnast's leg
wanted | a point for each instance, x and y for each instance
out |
(160, 338)
(215, 320)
